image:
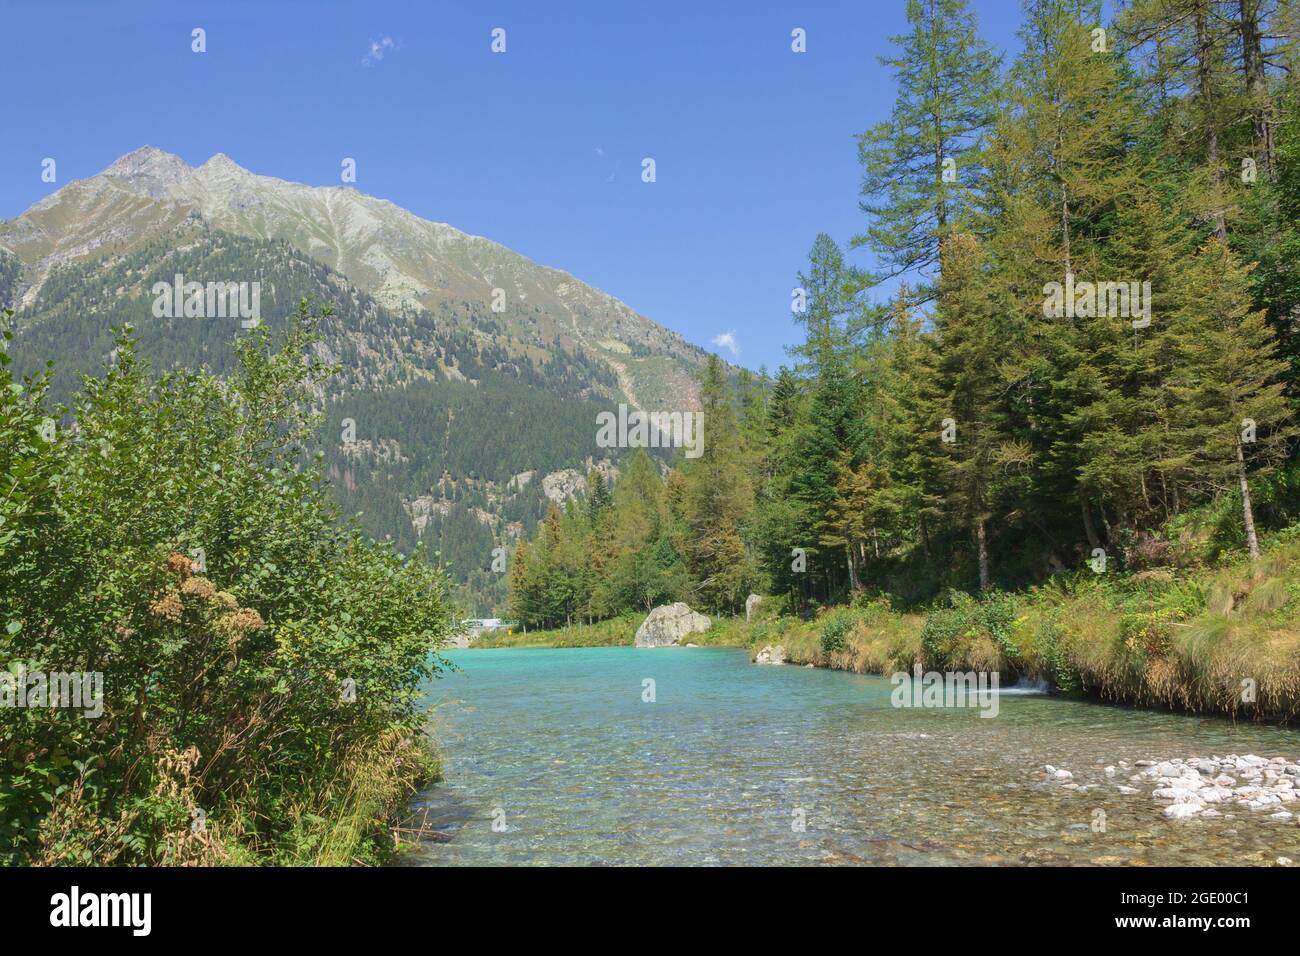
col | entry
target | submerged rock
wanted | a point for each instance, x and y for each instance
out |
(667, 624)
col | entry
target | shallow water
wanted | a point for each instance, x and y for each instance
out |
(559, 747)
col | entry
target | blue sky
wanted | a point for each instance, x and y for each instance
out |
(539, 148)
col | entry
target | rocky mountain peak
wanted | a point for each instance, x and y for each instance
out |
(150, 170)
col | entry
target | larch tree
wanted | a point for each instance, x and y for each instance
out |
(920, 168)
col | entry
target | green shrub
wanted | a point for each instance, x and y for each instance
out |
(835, 630)
(960, 635)
(261, 662)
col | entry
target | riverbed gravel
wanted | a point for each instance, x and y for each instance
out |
(1202, 787)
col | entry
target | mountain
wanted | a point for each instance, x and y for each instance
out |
(468, 420)
(404, 262)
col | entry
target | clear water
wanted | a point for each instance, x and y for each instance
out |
(559, 746)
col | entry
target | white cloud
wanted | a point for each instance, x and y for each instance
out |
(727, 340)
(378, 49)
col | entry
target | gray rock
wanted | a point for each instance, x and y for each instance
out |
(667, 624)
(771, 654)
(1177, 795)
(751, 605)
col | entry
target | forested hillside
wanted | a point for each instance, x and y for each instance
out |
(470, 376)
(1078, 355)
(414, 386)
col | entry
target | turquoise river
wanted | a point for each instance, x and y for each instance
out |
(559, 757)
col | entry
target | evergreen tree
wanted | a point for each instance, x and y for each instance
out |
(947, 79)
(715, 499)
(1233, 418)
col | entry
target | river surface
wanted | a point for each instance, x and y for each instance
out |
(554, 757)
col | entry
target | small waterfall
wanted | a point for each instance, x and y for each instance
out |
(1027, 685)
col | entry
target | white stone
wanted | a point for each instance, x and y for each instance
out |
(1176, 795)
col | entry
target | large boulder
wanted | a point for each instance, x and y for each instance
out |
(771, 654)
(751, 605)
(667, 624)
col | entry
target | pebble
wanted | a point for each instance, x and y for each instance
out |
(1186, 787)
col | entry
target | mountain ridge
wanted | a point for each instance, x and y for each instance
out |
(403, 260)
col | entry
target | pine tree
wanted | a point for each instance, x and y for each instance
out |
(973, 434)
(715, 499)
(1233, 418)
(598, 499)
(947, 78)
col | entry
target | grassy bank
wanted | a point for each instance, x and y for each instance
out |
(615, 632)
(1216, 641)
(1223, 641)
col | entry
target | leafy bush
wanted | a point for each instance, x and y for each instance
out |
(835, 630)
(260, 660)
(973, 633)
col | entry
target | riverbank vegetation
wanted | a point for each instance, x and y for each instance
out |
(1054, 433)
(1218, 640)
(258, 660)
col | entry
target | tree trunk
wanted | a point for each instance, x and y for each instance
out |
(1247, 512)
(1205, 87)
(1088, 528)
(983, 553)
(1261, 105)
(854, 583)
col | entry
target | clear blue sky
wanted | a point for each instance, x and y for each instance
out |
(539, 148)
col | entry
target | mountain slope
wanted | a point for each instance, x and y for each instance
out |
(406, 263)
(467, 421)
